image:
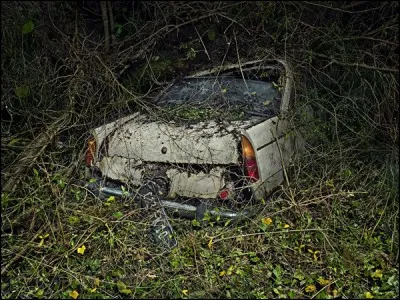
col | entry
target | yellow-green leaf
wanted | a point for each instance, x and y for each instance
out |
(81, 250)
(40, 293)
(185, 292)
(210, 243)
(73, 220)
(266, 221)
(310, 288)
(229, 271)
(28, 27)
(13, 141)
(74, 294)
(377, 274)
(223, 91)
(96, 282)
(125, 291)
(315, 255)
(121, 285)
(368, 295)
(268, 102)
(286, 226)
(323, 281)
(329, 183)
(222, 273)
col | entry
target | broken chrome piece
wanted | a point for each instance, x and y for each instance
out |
(162, 233)
(184, 210)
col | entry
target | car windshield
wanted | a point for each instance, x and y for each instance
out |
(228, 97)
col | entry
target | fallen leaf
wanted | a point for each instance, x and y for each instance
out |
(81, 250)
(286, 226)
(310, 288)
(96, 282)
(323, 281)
(125, 291)
(268, 102)
(210, 243)
(74, 294)
(368, 295)
(185, 292)
(315, 255)
(121, 285)
(40, 293)
(377, 274)
(229, 271)
(266, 221)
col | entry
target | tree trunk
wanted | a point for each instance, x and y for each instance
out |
(104, 15)
(111, 22)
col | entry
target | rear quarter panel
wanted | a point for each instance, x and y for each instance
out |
(273, 147)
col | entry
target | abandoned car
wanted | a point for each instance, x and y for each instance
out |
(214, 143)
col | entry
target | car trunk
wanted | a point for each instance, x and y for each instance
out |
(195, 141)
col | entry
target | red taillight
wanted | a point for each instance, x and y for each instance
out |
(224, 194)
(90, 152)
(249, 160)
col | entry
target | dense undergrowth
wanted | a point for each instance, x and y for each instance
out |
(332, 231)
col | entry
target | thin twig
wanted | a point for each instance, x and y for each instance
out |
(267, 232)
(204, 46)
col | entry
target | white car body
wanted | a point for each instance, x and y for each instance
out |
(195, 159)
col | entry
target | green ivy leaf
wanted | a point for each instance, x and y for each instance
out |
(125, 291)
(28, 27)
(118, 273)
(122, 288)
(118, 215)
(40, 293)
(73, 220)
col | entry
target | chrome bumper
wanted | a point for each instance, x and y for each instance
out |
(183, 210)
